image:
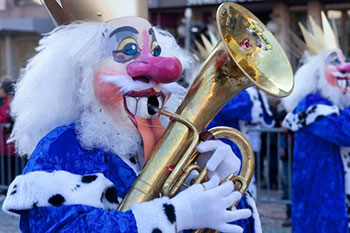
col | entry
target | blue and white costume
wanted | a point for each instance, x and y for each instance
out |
(246, 111)
(66, 188)
(98, 130)
(322, 131)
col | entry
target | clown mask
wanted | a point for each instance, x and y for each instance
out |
(337, 71)
(133, 74)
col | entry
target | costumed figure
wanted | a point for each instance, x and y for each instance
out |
(247, 111)
(81, 112)
(320, 117)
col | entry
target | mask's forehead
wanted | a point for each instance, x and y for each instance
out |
(126, 25)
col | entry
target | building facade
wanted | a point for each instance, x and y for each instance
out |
(22, 23)
(281, 17)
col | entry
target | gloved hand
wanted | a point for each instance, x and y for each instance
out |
(198, 207)
(219, 158)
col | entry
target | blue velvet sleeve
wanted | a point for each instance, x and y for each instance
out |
(238, 108)
(76, 218)
(333, 128)
(60, 150)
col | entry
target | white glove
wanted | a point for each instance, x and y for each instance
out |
(197, 208)
(219, 158)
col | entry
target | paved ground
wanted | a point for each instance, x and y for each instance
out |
(8, 224)
(272, 216)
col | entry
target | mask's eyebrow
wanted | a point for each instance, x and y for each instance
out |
(123, 29)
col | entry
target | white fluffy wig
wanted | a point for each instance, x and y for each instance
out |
(310, 78)
(56, 89)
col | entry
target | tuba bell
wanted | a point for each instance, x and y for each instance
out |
(246, 55)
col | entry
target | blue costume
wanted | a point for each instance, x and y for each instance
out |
(94, 183)
(246, 109)
(318, 195)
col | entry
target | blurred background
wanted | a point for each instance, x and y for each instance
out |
(23, 22)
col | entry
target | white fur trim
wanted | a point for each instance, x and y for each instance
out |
(255, 213)
(40, 189)
(252, 188)
(257, 111)
(345, 155)
(152, 215)
(243, 127)
(297, 121)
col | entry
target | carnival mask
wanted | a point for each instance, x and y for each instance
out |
(133, 74)
(337, 71)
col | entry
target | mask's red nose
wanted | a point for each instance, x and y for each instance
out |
(158, 69)
(344, 68)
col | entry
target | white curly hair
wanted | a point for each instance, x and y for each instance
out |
(310, 78)
(56, 89)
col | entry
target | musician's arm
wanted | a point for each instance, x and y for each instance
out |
(237, 108)
(333, 128)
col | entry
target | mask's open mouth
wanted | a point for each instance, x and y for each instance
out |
(136, 103)
(343, 80)
(344, 83)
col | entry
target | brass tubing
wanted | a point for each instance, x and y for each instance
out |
(248, 161)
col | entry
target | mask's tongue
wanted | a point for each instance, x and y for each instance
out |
(151, 131)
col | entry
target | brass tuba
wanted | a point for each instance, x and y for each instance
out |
(247, 55)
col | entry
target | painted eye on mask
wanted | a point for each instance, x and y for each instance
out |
(333, 59)
(127, 50)
(156, 49)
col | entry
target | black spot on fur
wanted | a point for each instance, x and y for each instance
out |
(35, 204)
(56, 200)
(112, 195)
(13, 192)
(156, 230)
(88, 179)
(133, 160)
(319, 117)
(169, 211)
(15, 186)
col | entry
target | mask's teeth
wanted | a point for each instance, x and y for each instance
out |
(139, 106)
(131, 103)
(160, 101)
(342, 83)
(142, 108)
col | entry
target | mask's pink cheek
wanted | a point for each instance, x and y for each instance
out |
(108, 95)
(330, 78)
